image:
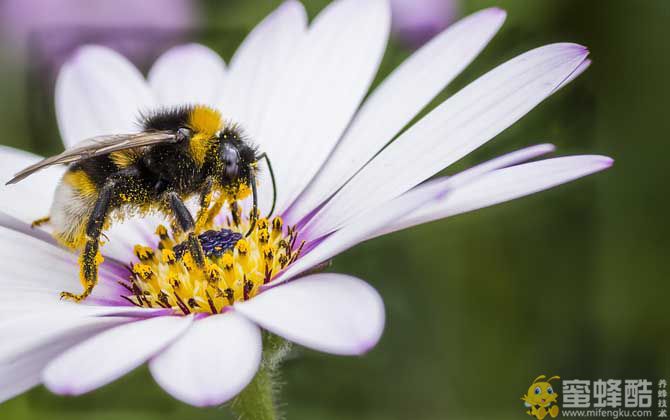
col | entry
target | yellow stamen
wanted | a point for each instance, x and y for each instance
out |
(236, 267)
(144, 253)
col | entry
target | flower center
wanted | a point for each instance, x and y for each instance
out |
(235, 266)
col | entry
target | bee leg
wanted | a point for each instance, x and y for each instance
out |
(187, 225)
(39, 222)
(215, 209)
(202, 221)
(90, 257)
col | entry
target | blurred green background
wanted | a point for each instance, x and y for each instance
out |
(570, 282)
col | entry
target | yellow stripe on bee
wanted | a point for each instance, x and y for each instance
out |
(124, 158)
(81, 182)
(205, 122)
(78, 197)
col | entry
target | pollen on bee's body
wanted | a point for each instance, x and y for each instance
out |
(235, 266)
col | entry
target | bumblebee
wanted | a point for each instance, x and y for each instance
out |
(181, 152)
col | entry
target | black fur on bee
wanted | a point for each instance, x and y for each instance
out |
(181, 152)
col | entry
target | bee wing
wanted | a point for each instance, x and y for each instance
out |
(97, 146)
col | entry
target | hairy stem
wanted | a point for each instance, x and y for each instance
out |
(258, 400)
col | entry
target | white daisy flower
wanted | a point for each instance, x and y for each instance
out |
(299, 91)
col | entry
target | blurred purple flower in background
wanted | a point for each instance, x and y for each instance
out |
(50, 30)
(417, 21)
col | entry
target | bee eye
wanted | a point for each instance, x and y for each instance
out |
(230, 157)
(183, 134)
(550, 391)
(538, 391)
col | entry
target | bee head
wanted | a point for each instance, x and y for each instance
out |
(238, 158)
(238, 164)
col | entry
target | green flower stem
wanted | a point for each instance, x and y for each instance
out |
(258, 400)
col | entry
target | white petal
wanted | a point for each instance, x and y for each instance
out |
(10, 222)
(111, 354)
(397, 100)
(575, 74)
(330, 312)
(43, 329)
(30, 199)
(123, 236)
(257, 71)
(367, 224)
(188, 74)
(352, 234)
(210, 364)
(446, 185)
(41, 270)
(500, 186)
(35, 272)
(24, 373)
(259, 65)
(99, 92)
(322, 88)
(462, 123)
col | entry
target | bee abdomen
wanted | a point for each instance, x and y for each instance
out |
(72, 206)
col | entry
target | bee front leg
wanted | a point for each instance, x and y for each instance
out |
(187, 225)
(39, 222)
(202, 221)
(90, 258)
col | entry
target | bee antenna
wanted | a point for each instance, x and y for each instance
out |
(274, 183)
(254, 210)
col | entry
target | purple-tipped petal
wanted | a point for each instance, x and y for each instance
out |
(24, 372)
(461, 124)
(34, 272)
(210, 364)
(417, 21)
(398, 99)
(366, 225)
(575, 74)
(188, 74)
(98, 91)
(503, 185)
(111, 354)
(332, 313)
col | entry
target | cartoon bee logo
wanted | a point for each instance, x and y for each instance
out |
(540, 398)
